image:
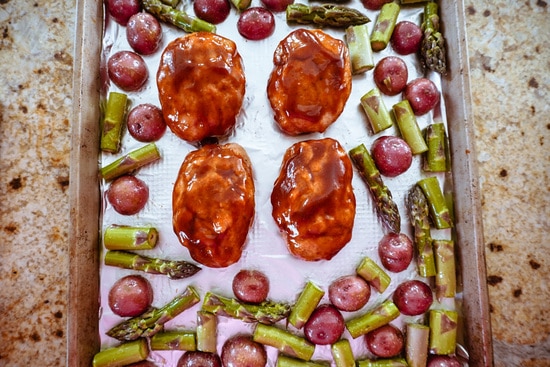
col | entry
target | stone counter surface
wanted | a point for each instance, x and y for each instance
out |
(509, 52)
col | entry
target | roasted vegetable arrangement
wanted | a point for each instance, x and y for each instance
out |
(276, 186)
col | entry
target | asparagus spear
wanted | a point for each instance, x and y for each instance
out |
(207, 331)
(360, 51)
(408, 126)
(387, 209)
(445, 279)
(443, 331)
(176, 17)
(283, 340)
(130, 162)
(379, 316)
(130, 238)
(432, 49)
(151, 322)
(435, 158)
(416, 350)
(174, 340)
(329, 15)
(172, 3)
(417, 206)
(384, 26)
(439, 211)
(113, 121)
(122, 355)
(374, 274)
(305, 305)
(391, 362)
(377, 114)
(284, 361)
(343, 354)
(267, 312)
(173, 269)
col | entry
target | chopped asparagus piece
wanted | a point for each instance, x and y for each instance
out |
(379, 316)
(377, 114)
(439, 212)
(329, 15)
(305, 305)
(384, 26)
(360, 51)
(386, 208)
(284, 361)
(113, 122)
(432, 49)
(267, 312)
(122, 355)
(408, 126)
(393, 362)
(417, 206)
(207, 331)
(241, 5)
(173, 269)
(416, 349)
(130, 162)
(172, 3)
(374, 274)
(445, 279)
(283, 340)
(176, 17)
(435, 158)
(151, 322)
(174, 340)
(443, 331)
(343, 354)
(130, 238)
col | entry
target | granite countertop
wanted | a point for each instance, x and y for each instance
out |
(509, 53)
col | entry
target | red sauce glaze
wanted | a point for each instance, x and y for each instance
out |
(201, 85)
(313, 200)
(213, 203)
(310, 83)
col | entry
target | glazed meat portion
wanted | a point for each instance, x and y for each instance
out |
(313, 201)
(213, 203)
(201, 85)
(310, 83)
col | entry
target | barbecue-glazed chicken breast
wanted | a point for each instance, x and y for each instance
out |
(201, 85)
(310, 83)
(213, 203)
(313, 200)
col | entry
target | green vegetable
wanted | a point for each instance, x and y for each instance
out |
(174, 340)
(416, 349)
(173, 269)
(439, 212)
(417, 206)
(432, 49)
(329, 15)
(290, 344)
(360, 51)
(130, 238)
(130, 162)
(207, 331)
(308, 300)
(176, 17)
(122, 355)
(267, 312)
(384, 26)
(343, 354)
(151, 322)
(435, 158)
(374, 274)
(377, 114)
(443, 331)
(113, 122)
(379, 316)
(445, 279)
(386, 208)
(408, 126)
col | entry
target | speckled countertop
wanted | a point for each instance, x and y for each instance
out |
(509, 51)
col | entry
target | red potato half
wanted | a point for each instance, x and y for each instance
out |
(422, 94)
(391, 75)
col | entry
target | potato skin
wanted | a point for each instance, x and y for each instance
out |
(213, 203)
(313, 200)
